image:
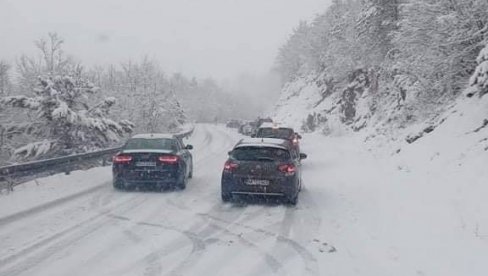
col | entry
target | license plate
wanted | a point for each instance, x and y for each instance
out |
(145, 164)
(257, 182)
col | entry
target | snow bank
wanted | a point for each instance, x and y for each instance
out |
(47, 189)
(406, 209)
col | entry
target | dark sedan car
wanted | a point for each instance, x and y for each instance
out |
(262, 167)
(153, 160)
(269, 130)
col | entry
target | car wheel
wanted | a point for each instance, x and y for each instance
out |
(118, 185)
(181, 185)
(190, 175)
(293, 200)
(226, 197)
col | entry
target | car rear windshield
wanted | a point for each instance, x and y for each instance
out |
(280, 133)
(158, 144)
(260, 154)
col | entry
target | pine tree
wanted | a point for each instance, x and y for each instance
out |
(64, 123)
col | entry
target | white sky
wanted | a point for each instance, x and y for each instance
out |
(206, 38)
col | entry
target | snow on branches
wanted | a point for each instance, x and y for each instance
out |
(479, 81)
(64, 123)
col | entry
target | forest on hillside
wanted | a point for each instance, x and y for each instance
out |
(399, 61)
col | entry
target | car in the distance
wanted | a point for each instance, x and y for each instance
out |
(262, 167)
(233, 123)
(153, 161)
(272, 130)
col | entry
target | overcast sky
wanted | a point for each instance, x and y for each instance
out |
(206, 38)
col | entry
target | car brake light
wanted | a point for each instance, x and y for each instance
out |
(295, 141)
(288, 169)
(169, 159)
(118, 159)
(230, 166)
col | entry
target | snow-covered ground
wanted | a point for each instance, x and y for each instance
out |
(362, 212)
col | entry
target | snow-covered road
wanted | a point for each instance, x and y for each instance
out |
(348, 222)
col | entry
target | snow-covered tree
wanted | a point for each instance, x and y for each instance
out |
(418, 54)
(50, 60)
(5, 84)
(479, 81)
(438, 41)
(63, 121)
(294, 54)
(376, 25)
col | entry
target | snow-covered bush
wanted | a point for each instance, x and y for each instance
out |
(479, 81)
(63, 121)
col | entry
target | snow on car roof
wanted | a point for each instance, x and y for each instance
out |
(153, 136)
(263, 142)
(267, 124)
(274, 125)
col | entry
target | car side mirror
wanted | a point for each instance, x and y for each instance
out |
(298, 136)
(303, 156)
(189, 147)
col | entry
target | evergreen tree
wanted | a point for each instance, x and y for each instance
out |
(64, 122)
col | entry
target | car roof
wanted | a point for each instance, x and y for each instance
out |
(267, 124)
(274, 125)
(153, 136)
(264, 142)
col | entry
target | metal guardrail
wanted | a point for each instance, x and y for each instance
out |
(19, 173)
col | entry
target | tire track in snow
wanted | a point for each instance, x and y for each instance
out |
(49, 205)
(60, 240)
(308, 257)
(204, 232)
(198, 240)
(151, 262)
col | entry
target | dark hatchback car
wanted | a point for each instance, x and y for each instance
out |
(153, 161)
(262, 167)
(269, 130)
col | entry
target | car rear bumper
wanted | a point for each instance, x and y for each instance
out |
(156, 179)
(285, 187)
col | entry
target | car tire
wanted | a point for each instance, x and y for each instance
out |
(293, 200)
(117, 185)
(181, 185)
(226, 197)
(190, 175)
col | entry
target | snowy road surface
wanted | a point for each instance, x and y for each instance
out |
(356, 216)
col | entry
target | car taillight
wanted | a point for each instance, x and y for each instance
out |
(230, 166)
(169, 159)
(288, 169)
(120, 159)
(295, 141)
